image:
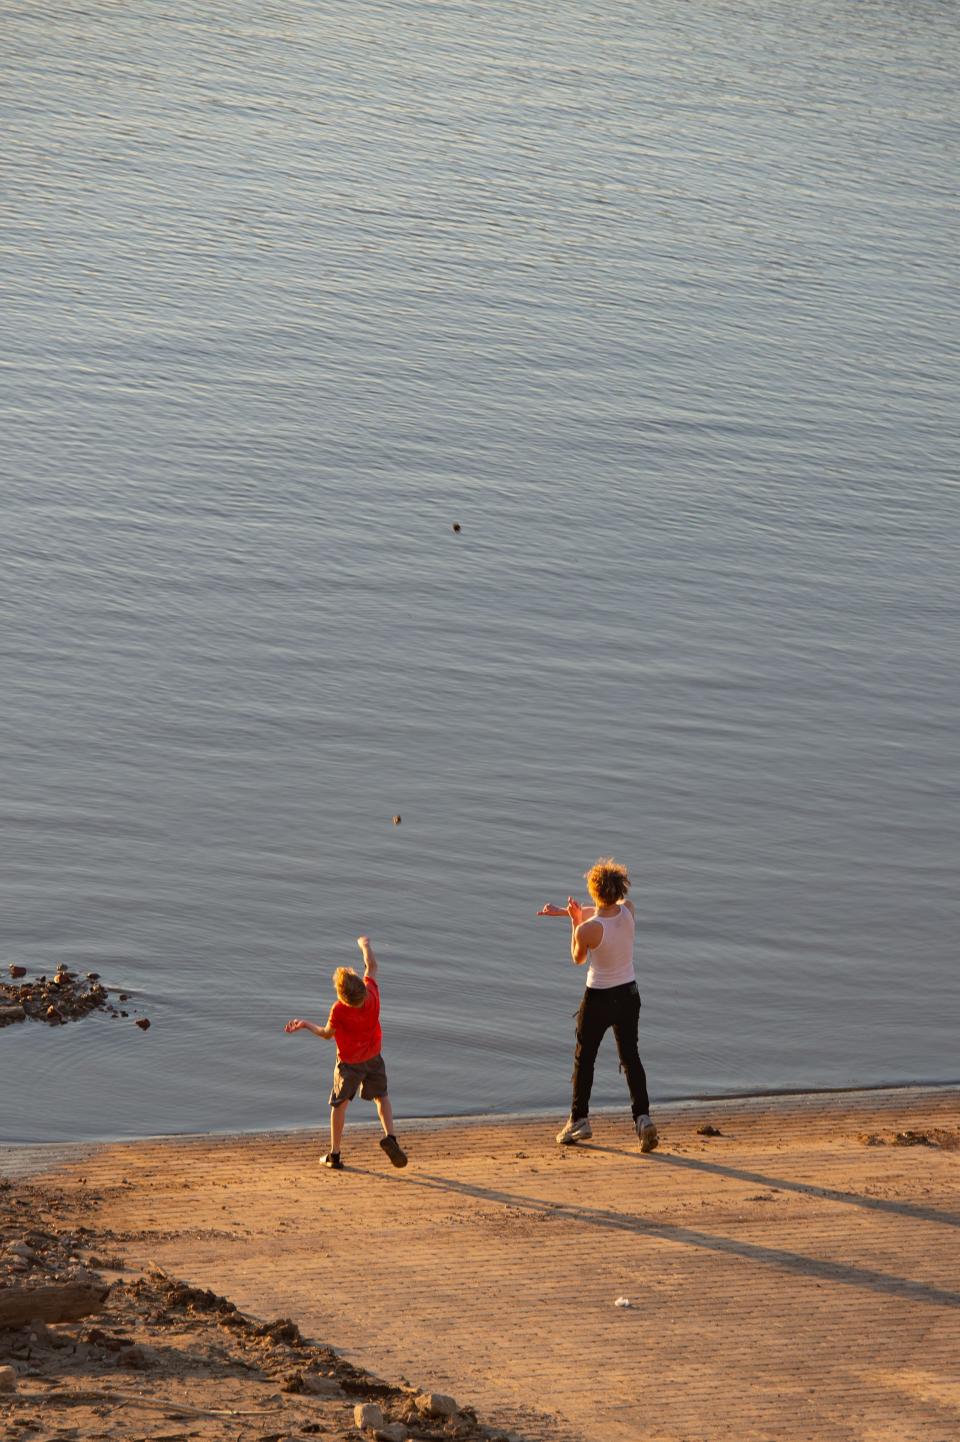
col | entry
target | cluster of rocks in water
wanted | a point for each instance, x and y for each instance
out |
(65, 996)
(72, 1338)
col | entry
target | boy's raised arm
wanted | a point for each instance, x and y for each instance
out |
(369, 960)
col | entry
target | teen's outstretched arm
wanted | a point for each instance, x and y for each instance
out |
(585, 912)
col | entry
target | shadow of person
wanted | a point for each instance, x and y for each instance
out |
(846, 1274)
(912, 1210)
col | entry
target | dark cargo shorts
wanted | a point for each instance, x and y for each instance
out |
(370, 1076)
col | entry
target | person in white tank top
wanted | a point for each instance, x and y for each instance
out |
(610, 960)
(603, 936)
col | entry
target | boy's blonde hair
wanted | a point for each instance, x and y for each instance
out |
(350, 987)
(607, 881)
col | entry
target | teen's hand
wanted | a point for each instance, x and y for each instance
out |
(574, 910)
(551, 910)
(363, 942)
(296, 1025)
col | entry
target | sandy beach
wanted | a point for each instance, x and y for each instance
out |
(795, 1277)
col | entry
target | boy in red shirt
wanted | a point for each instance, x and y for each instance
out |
(354, 1023)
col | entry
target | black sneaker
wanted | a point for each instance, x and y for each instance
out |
(332, 1159)
(394, 1151)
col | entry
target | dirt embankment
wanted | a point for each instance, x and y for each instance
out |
(88, 1351)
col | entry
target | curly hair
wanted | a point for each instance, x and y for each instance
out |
(607, 881)
(350, 987)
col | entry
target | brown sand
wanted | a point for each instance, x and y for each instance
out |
(789, 1279)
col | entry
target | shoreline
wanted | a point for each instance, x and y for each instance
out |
(546, 1115)
(808, 1245)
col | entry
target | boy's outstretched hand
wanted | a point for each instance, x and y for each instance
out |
(297, 1025)
(551, 910)
(363, 942)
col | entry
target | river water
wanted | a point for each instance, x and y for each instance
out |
(659, 303)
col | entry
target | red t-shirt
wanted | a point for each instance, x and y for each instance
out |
(356, 1029)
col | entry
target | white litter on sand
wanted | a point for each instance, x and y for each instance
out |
(623, 1302)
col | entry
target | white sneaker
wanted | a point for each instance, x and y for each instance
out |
(580, 1131)
(647, 1133)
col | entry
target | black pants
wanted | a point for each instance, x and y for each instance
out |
(619, 1007)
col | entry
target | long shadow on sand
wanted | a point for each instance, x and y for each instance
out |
(846, 1274)
(854, 1199)
(911, 1210)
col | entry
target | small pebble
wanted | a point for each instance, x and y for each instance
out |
(319, 1386)
(17, 970)
(143, 1023)
(396, 821)
(456, 527)
(133, 1356)
(367, 1415)
(436, 1404)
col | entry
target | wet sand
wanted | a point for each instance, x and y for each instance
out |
(796, 1277)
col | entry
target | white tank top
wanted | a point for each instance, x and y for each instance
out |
(611, 963)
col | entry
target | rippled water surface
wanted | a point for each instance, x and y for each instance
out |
(659, 302)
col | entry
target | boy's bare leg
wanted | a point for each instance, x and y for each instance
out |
(388, 1141)
(338, 1116)
(386, 1115)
